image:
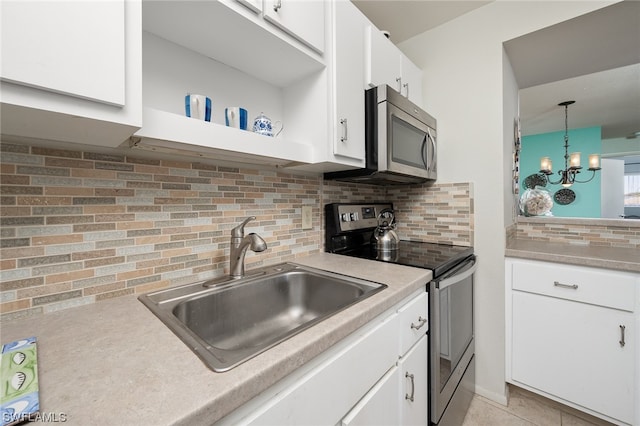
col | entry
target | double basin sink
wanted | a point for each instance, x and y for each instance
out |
(227, 321)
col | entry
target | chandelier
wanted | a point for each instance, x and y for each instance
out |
(567, 176)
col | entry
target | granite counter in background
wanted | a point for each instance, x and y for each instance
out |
(617, 258)
(601, 243)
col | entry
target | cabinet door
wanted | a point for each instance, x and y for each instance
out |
(383, 60)
(414, 376)
(573, 351)
(302, 19)
(71, 71)
(411, 81)
(325, 394)
(76, 48)
(380, 406)
(348, 45)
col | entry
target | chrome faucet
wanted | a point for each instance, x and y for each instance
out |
(239, 246)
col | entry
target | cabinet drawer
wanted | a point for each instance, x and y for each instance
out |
(413, 321)
(600, 287)
(380, 405)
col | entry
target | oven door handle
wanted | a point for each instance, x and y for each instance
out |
(460, 274)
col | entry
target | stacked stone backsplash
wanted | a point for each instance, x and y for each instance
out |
(596, 232)
(79, 227)
(440, 213)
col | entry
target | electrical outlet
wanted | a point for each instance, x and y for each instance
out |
(307, 222)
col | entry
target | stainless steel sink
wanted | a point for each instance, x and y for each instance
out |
(227, 321)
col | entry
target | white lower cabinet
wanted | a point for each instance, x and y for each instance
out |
(380, 406)
(362, 380)
(414, 376)
(572, 336)
(401, 396)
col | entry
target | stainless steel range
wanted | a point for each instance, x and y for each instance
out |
(350, 230)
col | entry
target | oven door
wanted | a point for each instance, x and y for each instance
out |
(451, 339)
(409, 146)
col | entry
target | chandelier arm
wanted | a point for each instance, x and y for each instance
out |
(593, 174)
(548, 179)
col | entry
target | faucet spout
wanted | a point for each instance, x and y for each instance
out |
(239, 246)
(257, 243)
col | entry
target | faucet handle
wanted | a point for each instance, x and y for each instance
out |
(238, 231)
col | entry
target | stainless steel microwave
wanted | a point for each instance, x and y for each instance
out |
(400, 142)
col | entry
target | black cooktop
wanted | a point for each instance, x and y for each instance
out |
(439, 258)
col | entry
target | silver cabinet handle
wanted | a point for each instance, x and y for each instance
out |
(622, 330)
(399, 81)
(421, 321)
(277, 5)
(344, 136)
(571, 286)
(406, 86)
(413, 387)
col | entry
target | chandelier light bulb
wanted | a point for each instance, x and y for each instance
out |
(546, 165)
(574, 160)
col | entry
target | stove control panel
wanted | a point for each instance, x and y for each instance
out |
(352, 217)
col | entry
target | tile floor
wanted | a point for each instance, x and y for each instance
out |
(526, 409)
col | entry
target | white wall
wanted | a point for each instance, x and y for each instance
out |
(469, 87)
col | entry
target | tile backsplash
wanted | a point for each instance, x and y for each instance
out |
(80, 227)
(440, 213)
(580, 231)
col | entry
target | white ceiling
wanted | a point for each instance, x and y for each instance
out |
(407, 18)
(593, 59)
(567, 61)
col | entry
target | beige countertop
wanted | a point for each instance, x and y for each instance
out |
(618, 258)
(114, 362)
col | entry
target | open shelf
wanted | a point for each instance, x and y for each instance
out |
(165, 132)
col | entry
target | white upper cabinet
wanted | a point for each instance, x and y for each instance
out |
(230, 33)
(348, 81)
(386, 64)
(302, 19)
(411, 80)
(71, 71)
(36, 53)
(224, 50)
(383, 60)
(254, 5)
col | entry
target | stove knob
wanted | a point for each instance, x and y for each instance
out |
(345, 217)
(354, 216)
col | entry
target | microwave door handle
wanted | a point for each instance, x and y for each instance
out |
(423, 152)
(433, 143)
